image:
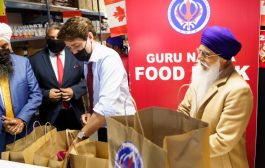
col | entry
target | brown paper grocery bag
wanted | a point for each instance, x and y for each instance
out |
(46, 155)
(87, 154)
(129, 148)
(22, 150)
(162, 137)
(185, 139)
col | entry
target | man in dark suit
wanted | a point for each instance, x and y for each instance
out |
(60, 76)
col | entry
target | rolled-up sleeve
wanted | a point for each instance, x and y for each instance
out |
(111, 76)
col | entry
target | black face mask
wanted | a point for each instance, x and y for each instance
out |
(82, 55)
(55, 46)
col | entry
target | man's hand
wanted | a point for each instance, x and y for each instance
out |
(13, 125)
(84, 118)
(67, 94)
(55, 95)
(75, 141)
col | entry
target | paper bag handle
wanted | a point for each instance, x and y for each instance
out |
(179, 90)
(15, 136)
(84, 104)
(34, 124)
(34, 127)
(194, 90)
(46, 128)
(69, 134)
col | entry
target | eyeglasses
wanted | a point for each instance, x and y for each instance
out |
(206, 54)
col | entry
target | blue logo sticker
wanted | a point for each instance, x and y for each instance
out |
(188, 16)
(128, 156)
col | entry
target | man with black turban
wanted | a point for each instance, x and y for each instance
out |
(219, 96)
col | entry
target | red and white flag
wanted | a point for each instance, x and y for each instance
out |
(68, 14)
(116, 12)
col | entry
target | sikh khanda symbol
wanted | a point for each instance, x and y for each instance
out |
(188, 13)
(188, 16)
(128, 156)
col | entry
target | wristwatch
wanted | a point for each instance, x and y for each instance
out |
(81, 135)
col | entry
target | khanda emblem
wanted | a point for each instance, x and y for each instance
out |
(188, 16)
(188, 13)
(128, 156)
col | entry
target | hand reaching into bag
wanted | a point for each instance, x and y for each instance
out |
(13, 125)
(75, 141)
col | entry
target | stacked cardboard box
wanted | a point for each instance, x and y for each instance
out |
(85, 4)
(69, 3)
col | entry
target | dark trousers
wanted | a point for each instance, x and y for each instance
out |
(102, 134)
(67, 120)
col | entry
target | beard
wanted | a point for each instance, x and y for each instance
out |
(6, 67)
(203, 78)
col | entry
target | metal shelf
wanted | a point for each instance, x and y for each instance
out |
(27, 39)
(91, 13)
(55, 8)
(20, 5)
(16, 4)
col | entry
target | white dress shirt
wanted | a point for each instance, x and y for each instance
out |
(110, 83)
(53, 59)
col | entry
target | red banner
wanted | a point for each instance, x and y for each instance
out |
(163, 48)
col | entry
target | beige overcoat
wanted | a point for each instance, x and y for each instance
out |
(227, 108)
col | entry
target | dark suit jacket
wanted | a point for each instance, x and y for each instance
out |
(73, 77)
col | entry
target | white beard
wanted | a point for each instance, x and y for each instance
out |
(202, 80)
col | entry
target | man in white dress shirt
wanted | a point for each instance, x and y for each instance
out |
(107, 80)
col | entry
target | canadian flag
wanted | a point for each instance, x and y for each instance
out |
(68, 14)
(262, 12)
(116, 12)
